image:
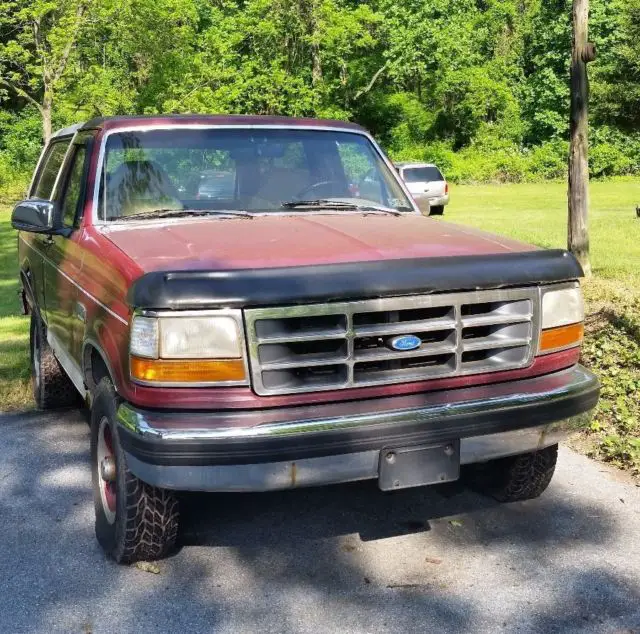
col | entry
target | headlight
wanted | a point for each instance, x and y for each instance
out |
(187, 349)
(562, 319)
(199, 338)
(561, 307)
(144, 337)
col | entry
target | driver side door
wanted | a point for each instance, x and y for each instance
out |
(64, 299)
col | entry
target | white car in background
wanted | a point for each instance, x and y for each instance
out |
(427, 185)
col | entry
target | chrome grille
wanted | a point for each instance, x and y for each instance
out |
(342, 345)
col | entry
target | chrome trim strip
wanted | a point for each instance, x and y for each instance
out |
(452, 367)
(185, 384)
(352, 467)
(578, 380)
(87, 293)
(72, 129)
(145, 127)
(63, 167)
(68, 363)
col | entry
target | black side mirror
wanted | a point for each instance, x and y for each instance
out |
(36, 216)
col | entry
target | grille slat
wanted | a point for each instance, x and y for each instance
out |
(495, 320)
(394, 372)
(375, 355)
(292, 365)
(348, 344)
(301, 327)
(311, 336)
(403, 327)
(487, 343)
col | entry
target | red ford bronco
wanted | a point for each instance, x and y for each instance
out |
(252, 303)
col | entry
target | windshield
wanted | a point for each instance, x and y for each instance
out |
(421, 174)
(249, 169)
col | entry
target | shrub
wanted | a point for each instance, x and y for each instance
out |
(13, 183)
(20, 145)
(605, 159)
(499, 161)
(549, 161)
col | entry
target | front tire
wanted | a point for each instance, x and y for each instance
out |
(516, 478)
(51, 386)
(134, 520)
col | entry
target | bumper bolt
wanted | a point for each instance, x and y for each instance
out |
(390, 457)
(448, 450)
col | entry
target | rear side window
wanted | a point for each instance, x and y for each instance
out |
(421, 174)
(49, 170)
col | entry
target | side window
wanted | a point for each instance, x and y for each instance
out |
(49, 170)
(74, 188)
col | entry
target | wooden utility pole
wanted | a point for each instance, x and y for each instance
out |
(582, 53)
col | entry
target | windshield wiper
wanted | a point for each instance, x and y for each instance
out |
(174, 213)
(341, 205)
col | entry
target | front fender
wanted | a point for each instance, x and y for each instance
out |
(108, 338)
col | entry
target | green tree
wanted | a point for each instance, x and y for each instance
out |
(482, 85)
(38, 38)
(616, 78)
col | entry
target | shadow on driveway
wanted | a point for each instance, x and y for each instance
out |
(338, 559)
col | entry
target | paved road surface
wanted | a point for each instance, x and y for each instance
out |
(344, 559)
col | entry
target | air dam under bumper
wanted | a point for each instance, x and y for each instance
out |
(341, 442)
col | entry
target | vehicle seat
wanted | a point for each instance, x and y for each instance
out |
(139, 186)
(280, 184)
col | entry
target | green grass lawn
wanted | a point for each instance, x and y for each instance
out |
(534, 213)
(14, 328)
(538, 214)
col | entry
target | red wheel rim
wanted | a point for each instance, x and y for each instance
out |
(105, 453)
(109, 487)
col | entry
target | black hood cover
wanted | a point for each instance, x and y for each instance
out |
(181, 290)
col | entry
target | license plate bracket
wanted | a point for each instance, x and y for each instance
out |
(419, 465)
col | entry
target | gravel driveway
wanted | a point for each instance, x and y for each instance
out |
(339, 559)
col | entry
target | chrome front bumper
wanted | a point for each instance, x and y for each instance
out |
(212, 452)
(351, 467)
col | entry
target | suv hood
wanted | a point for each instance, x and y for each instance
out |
(296, 240)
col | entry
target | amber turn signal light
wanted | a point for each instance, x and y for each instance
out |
(187, 371)
(562, 337)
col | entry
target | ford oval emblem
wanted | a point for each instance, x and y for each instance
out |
(405, 342)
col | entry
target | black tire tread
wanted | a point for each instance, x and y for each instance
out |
(151, 522)
(147, 517)
(55, 388)
(516, 478)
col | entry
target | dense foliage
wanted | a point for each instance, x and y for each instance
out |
(480, 86)
(612, 350)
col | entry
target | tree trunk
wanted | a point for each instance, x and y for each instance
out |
(316, 69)
(582, 52)
(46, 119)
(312, 9)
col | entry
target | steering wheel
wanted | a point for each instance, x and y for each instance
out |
(304, 193)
